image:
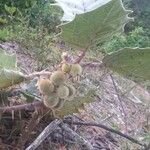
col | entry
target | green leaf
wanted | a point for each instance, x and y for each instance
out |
(95, 26)
(9, 78)
(4, 34)
(10, 10)
(3, 21)
(7, 61)
(30, 91)
(73, 106)
(131, 63)
(9, 74)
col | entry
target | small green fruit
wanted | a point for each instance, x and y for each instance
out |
(58, 78)
(45, 86)
(63, 91)
(76, 69)
(66, 67)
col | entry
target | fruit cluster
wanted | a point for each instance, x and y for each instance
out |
(59, 88)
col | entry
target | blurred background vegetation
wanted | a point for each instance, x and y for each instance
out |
(137, 33)
(32, 23)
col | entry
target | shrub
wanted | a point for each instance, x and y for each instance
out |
(135, 38)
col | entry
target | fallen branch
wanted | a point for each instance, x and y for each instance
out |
(105, 128)
(27, 106)
(45, 133)
(79, 139)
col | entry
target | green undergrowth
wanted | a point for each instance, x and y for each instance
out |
(32, 25)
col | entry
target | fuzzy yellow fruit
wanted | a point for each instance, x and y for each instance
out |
(45, 86)
(63, 91)
(76, 69)
(51, 100)
(58, 78)
(66, 67)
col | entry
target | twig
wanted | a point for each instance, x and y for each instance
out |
(26, 132)
(79, 139)
(93, 64)
(120, 100)
(116, 90)
(35, 74)
(45, 133)
(80, 57)
(106, 128)
(27, 106)
(85, 64)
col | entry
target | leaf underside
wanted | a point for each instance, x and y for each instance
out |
(133, 64)
(7, 61)
(9, 78)
(95, 26)
(9, 74)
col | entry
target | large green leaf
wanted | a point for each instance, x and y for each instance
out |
(97, 25)
(9, 74)
(131, 63)
(7, 61)
(9, 78)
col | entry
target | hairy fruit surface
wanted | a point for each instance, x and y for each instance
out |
(66, 67)
(63, 91)
(45, 86)
(58, 78)
(76, 69)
